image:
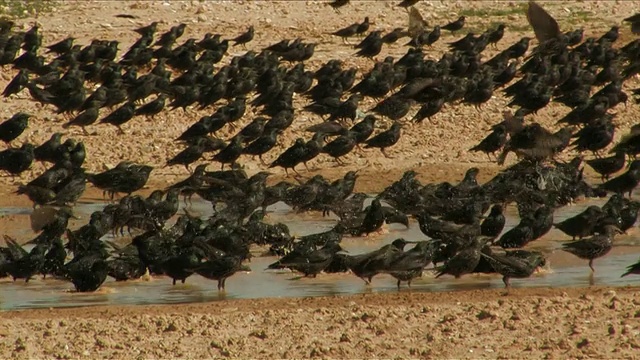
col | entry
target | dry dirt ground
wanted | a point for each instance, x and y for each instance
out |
(536, 323)
(596, 323)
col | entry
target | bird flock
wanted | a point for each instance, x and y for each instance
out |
(95, 83)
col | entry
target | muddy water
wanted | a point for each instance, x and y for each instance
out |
(563, 270)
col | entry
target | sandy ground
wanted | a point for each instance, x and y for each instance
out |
(591, 323)
(532, 323)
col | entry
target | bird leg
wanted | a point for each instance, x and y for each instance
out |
(398, 284)
(296, 171)
(591, 266)
(385, 154)
(120, 131)
(306, 166)
(507, 283)
(261, 160)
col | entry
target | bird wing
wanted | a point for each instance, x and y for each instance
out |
(544, 25)
(416, 23)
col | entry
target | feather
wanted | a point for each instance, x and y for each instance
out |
(417, 24)
(543, 24)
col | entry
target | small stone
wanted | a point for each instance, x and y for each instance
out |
(584, 342)
(345, 338)
(172, 327)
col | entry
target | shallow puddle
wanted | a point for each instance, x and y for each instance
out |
(563, 269)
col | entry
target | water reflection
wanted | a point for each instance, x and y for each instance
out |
(565, 270)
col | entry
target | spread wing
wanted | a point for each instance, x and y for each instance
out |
(416, 23)
(543, 24)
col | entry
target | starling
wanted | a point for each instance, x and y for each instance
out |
(544, 25)
(291, 156)
(512, 266)
(16, 161)
(609, 165)
(370, 46)
(231, 153)
(244, 38)
(407, 3)
(263, 144)
(385, 139)
(626, 182)
(120, 116)
(14, 127)
(593, 247)
(632, 269)
(493, 224)
(188, 156)
(221, 268)
(493, 142)
(346, 32)
(340, 146)
(61, 47)
(337, 4)
(634, 20)
(455, 25)
(582, 224)
(152, 108)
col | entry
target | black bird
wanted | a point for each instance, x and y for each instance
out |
(314, 262)
(87, 273)
(409, 264)
(126, 177)
(221, 268)
(517, 266)
(544, 25)
(393, 36)
(582, 224)
(373, 218)
(48, 151)
(262, 144)
(371, 46)
(493, 142)
(493, 224)
(340, 146)
(593, 247)
(347, 32)
(120, 116)
(337, 4)
(455, 25)
(368, 265)
(85, 118)
(61, 47)
(394, 107)
(429, 109)
(16, 161)
(464, 262)
(609, 165)
(153, 107)
(626, 182)
(14, 127)
(291, 157)
(385, 139)
(362, 130)
(496, 35)
(632, 269)
(363, 27)
(634, 20)
(407, 3)
(244, 38)
(231, 153)
(189, 155)
(19, 82)
(147, 30)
